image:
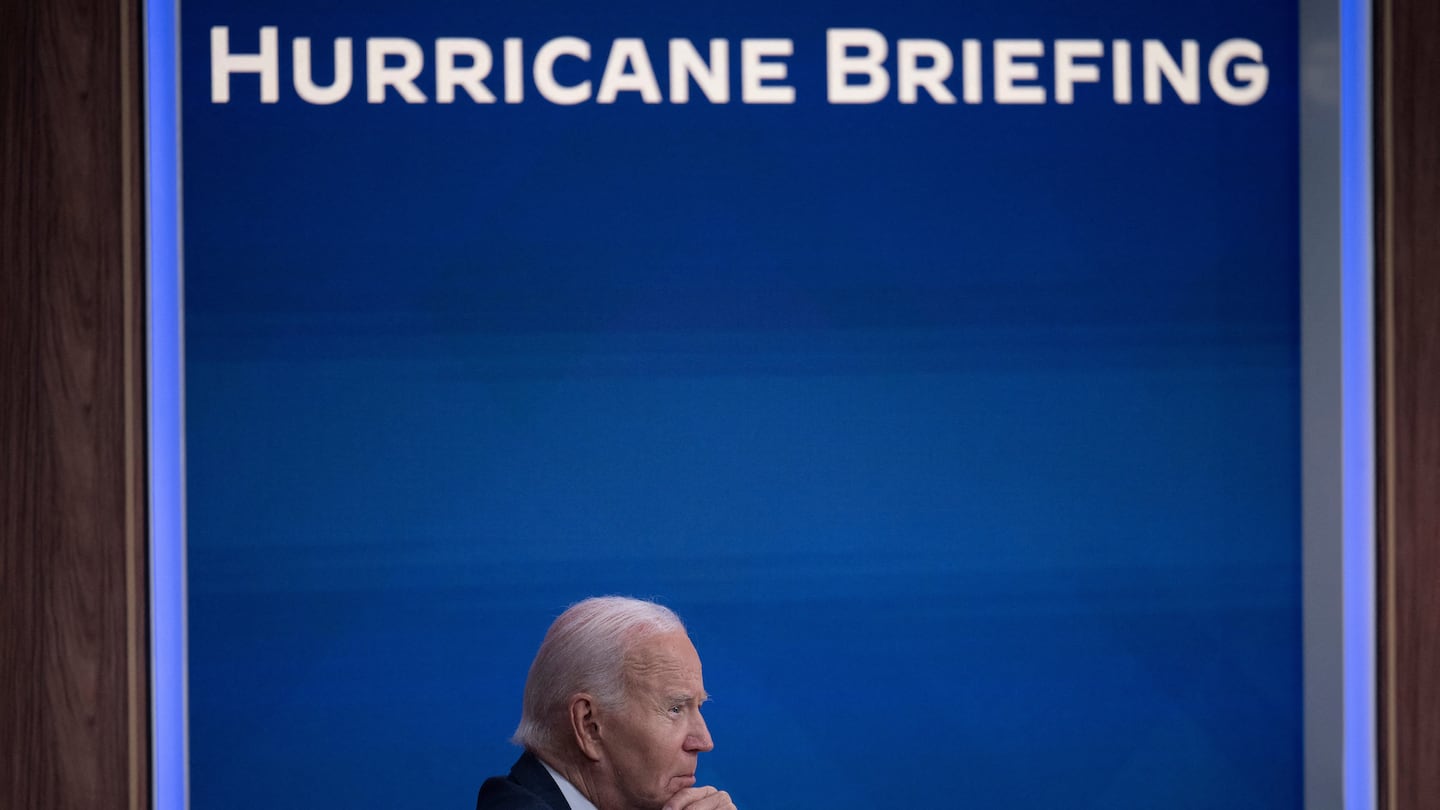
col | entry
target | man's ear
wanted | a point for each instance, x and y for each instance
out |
(585, 725)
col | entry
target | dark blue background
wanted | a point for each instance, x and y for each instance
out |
(965, 438)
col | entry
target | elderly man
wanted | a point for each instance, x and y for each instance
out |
(611, 716)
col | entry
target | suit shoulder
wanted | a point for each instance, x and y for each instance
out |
(500, 793)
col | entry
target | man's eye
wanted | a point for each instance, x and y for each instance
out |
(675, 709)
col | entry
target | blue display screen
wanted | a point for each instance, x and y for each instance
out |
(955, 411)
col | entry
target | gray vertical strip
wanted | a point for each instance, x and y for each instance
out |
(1337, 259)
(1321, 398)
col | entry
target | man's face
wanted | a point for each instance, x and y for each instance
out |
(653, 741)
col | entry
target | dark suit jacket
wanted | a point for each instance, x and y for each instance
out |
(528, 787)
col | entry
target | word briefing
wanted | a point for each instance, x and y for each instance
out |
(858, 70)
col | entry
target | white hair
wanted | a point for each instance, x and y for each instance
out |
(584, 651)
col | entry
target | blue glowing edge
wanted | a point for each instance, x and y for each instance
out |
(165, 374)
(1353, 641)
(1357, 285)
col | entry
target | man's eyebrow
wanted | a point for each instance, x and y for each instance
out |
(686, 697)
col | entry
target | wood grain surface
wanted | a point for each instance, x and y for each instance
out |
(73, 676)
(1407, 194)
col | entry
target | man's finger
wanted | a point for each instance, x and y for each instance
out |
(700, 798)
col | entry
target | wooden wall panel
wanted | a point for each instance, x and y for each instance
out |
(73, 677)
(1407, 137)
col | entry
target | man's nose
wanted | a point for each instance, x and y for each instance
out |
(698, 740)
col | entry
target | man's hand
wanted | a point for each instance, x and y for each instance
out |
(700, 798)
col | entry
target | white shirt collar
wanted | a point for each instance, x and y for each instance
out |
(573, 796)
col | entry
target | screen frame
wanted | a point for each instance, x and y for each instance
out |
(1337, 411)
